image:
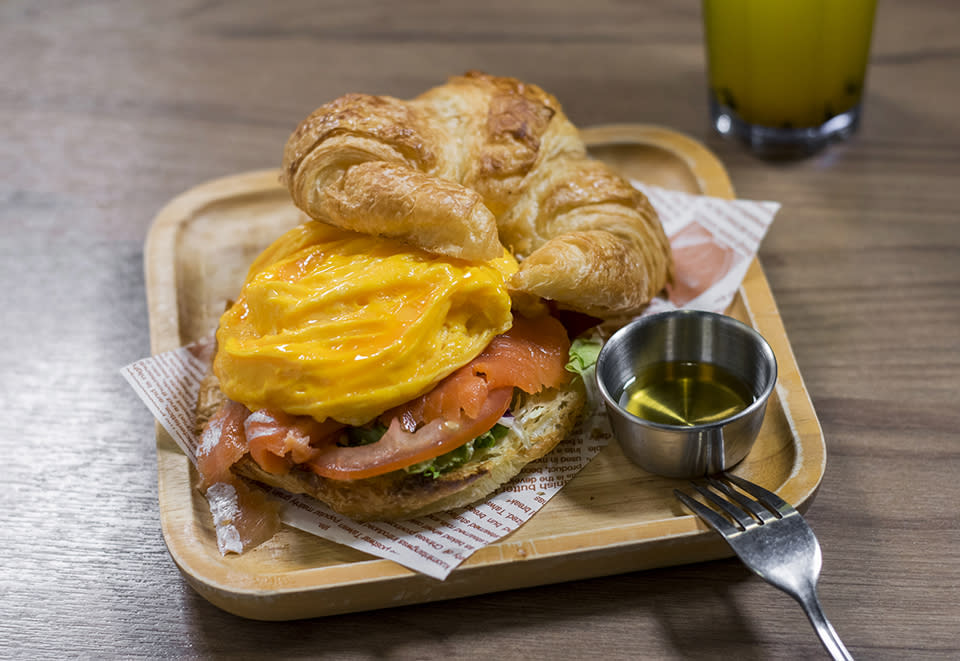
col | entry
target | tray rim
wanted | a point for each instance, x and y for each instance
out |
(688, 539)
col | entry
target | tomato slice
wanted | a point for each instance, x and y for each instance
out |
(399, 449)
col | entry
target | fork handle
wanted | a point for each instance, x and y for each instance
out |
(828, 636)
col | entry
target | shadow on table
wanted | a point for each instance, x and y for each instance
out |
(692, 611)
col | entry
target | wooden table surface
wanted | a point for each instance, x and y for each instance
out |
(109, 109)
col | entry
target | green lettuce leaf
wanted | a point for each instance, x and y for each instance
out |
(364, 435)
(583, 355)
(455, 458)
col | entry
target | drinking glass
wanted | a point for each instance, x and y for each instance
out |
(787, 76)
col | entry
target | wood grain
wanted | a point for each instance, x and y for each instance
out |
(110, 109)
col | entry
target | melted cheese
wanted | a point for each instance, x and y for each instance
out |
(335, 324)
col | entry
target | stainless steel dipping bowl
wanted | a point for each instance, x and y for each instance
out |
(689, 336)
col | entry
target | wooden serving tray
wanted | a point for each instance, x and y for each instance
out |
(611, 518)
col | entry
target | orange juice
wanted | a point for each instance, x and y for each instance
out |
(787, 64)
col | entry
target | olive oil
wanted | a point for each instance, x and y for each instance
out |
(685, 393)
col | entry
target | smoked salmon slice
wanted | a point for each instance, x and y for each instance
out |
(222, 443)
(530, 356)
(278, 440)
(242, 517)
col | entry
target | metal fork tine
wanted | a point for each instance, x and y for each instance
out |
(711, 518)
(743, 519)
(782, 551)
(768, 498)
(755, 508)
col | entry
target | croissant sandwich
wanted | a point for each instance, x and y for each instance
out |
(403, 350)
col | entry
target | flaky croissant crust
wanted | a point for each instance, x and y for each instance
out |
(479, 163)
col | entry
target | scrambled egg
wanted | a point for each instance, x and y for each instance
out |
(335, 324)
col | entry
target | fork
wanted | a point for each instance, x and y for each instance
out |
(773, 540)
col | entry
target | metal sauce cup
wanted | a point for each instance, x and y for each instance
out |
(687, 336)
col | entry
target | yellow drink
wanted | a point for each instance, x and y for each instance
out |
(787, 64)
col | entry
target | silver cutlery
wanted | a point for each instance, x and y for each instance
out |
(773, 540)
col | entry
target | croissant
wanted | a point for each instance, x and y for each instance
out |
(474, 165)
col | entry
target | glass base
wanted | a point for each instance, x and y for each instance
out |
(784, 142)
